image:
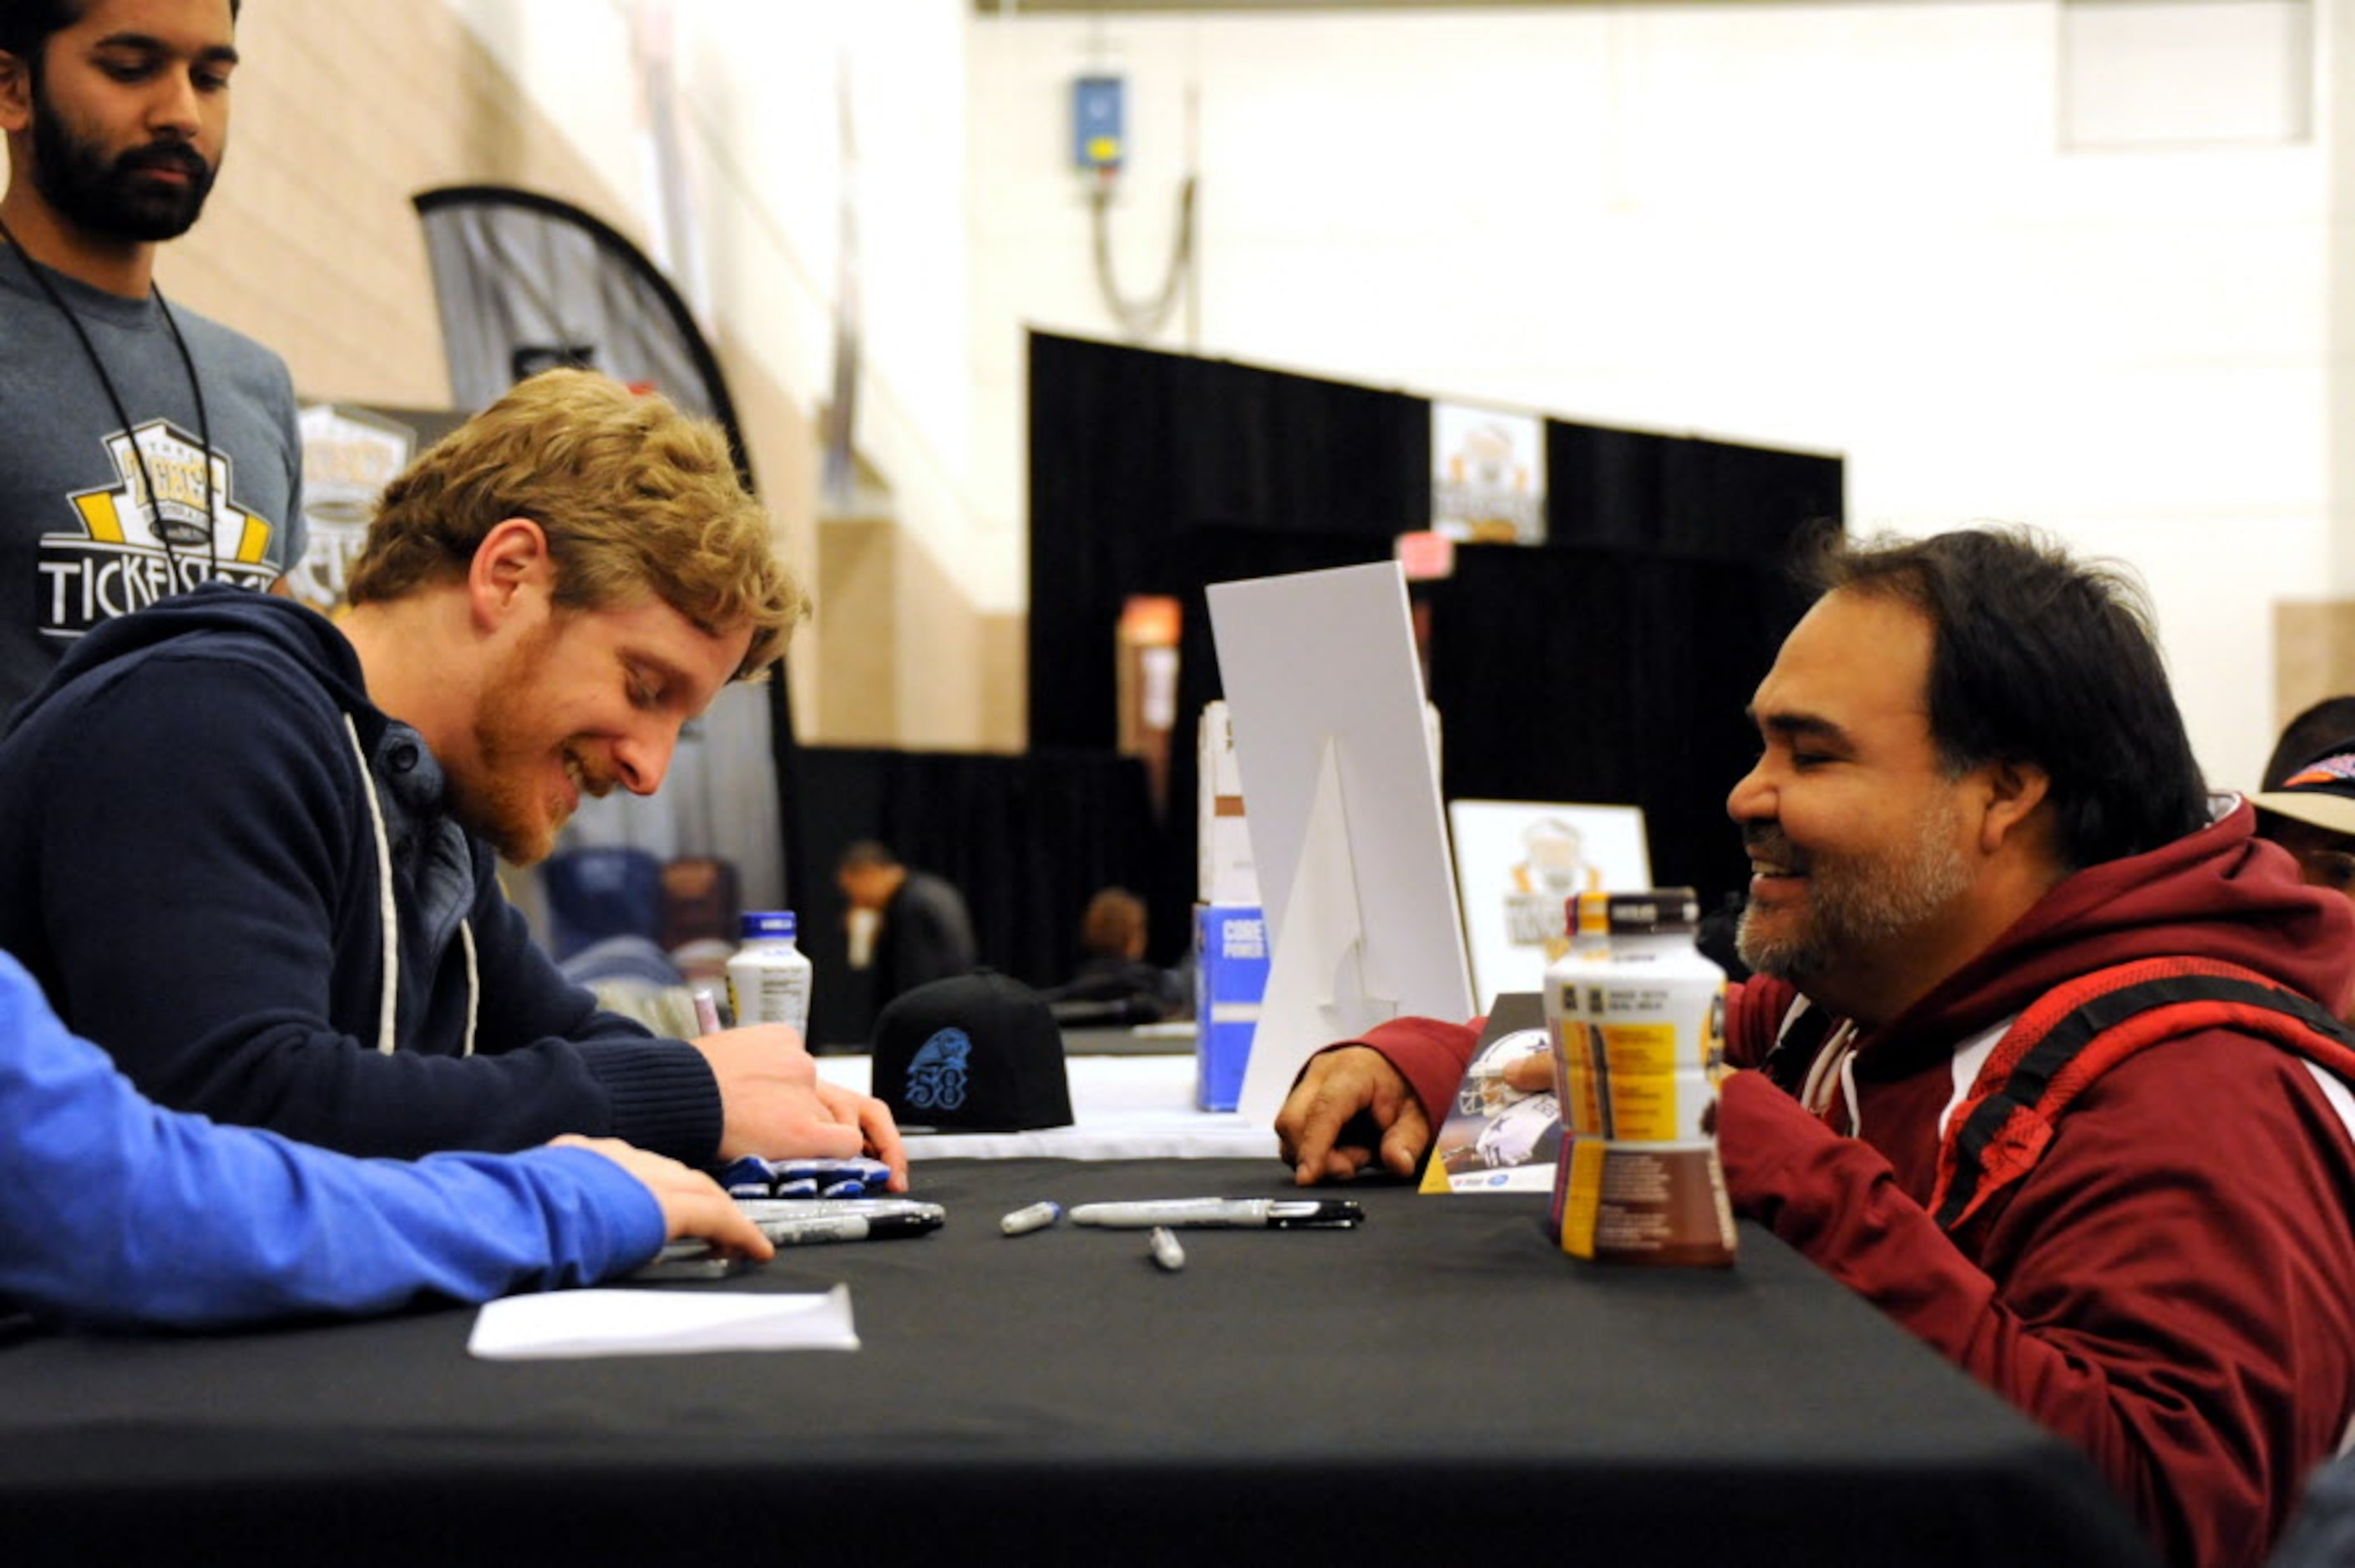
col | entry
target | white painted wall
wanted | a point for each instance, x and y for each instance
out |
(1846, 227)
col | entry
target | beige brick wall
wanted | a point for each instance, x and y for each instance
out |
(342, 113)
(908, 660)
(859, 613)
(2314, 658)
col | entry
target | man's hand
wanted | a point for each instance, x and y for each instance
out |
(692, 1203)
(873, 1120)
(777, 1105)
(1339, 1087)
(1531, 1072)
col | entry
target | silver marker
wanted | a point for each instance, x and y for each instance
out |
(1166, 1250)
(758, 1209)
(1033, 1217)
(849, 1228)
(1227, 1213)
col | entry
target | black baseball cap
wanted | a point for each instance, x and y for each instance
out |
(974, 1053)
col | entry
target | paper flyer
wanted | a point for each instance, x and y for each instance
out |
(569, 1324)
(1498, 1139)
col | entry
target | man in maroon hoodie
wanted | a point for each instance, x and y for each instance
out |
(1974, 806)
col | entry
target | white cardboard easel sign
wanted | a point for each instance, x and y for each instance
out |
(1347, 830)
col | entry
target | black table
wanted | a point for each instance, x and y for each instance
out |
(1437, 1386)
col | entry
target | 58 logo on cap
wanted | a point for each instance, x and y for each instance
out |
(936, 1078)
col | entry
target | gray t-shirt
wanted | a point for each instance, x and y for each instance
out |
(78, 543)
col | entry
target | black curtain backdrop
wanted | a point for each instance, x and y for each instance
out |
(1610, 665)
(1027, 839)
(1621, 678)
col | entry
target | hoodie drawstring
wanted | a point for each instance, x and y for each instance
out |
(388, 1036)
(388, 914)
(1832, 1072)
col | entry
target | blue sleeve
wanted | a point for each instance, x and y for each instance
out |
(115, 1211)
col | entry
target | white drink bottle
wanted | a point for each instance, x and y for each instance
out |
(769, 978)
(1640, 1037)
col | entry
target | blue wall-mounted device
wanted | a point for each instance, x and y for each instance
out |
(1099, 133)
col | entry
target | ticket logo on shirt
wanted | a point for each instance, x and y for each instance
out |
(134, 550)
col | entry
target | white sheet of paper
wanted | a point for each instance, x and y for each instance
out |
(674, 1321)
(1321, 678)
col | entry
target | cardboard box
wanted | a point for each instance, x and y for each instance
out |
(1225, 873)
(1230, 962)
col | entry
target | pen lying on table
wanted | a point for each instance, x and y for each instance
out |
(1227, 1213)
(693, 1258)
(846, 1228)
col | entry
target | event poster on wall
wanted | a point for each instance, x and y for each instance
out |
(1497, 1136)
(1487, 475)
(1518, 861)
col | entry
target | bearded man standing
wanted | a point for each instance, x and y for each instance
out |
(149, 449)
(2046, 1061)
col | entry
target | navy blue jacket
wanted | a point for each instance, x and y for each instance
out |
(193, 857)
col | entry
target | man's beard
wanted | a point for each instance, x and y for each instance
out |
(115, 197)
(507, 800)
(1855, 905)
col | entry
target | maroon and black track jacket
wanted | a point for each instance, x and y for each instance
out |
(2161, 1264)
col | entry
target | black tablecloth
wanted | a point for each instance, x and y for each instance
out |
(1437, 1386)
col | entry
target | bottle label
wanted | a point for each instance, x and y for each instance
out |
(764, 989)
(1645, 1203)
(1578, 1194)
(1642, 1055)
(1639, 1046)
